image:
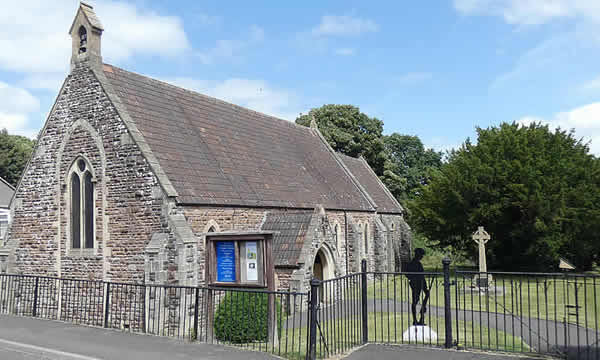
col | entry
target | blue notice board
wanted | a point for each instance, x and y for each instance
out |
(225, 261)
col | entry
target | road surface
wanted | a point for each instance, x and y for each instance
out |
(24, 338)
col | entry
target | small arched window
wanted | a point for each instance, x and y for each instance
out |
(211, 229)
(82, 205)
(366, 241)
(82, 39)
(393, 228)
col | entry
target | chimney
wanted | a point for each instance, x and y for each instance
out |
(86, 33)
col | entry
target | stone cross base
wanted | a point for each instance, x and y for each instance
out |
(419, 333)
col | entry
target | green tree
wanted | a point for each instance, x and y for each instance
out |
(537, 192)
(15, 151)
(411, 161)
(350, 132)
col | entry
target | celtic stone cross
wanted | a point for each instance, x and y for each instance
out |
(481, 237)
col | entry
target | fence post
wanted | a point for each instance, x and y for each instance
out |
(35, 296)
(447, 310)
(365, 324)
(195, 333)
(314, 301)
(106, 304)
(210, 315)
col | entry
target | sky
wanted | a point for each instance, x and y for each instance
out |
(436, 69)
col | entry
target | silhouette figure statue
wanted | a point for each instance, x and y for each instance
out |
(416, 280)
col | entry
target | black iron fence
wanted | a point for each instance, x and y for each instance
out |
(269, 321)
(534, 313)
(556, 314)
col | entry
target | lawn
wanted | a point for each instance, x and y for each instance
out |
(543, 297)
(339, 336)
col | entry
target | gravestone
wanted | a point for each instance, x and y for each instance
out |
(481, 237)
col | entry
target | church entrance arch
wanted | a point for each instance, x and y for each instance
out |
(323, 269)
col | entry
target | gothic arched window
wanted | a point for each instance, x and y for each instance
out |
(82, 205)
(211, 229)
(82, 39)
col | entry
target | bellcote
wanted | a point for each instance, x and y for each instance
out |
(86, 33)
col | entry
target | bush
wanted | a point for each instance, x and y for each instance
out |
(242, 317)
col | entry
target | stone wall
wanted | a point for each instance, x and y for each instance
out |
(131, 208)
(128, 198)
(399, 240)
(202, 218)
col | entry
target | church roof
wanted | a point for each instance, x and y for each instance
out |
(217, 153)
(385, 201)
(6, 193)
(290, 230)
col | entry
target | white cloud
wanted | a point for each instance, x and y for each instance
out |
(35, 45)
(231, 49)
(15, 106)
(576, 40)
(593, 84)
(44, 81)
(14, 123)
(345, 51)
(13, 99)
(257, 95)
(585, 120)
(344, 25)
(130, 30)
(34, 39)
(549, 56)
(531, 12)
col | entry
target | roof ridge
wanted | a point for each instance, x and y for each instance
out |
(345, 169)
(212, 98)
(381, 184)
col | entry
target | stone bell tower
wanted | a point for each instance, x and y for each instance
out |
(86, 33)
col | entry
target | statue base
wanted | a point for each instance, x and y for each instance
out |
(419, 333)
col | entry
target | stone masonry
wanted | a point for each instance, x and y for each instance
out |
(143, 231)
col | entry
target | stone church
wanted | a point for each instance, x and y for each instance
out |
(131, 174)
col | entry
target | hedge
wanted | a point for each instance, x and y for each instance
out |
(242, 317)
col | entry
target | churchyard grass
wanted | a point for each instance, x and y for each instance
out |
(389, 331)
(536, 297)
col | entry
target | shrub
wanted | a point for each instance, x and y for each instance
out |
(242, 317)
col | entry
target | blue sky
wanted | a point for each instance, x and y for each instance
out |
(436, 69)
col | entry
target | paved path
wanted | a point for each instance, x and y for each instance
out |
(400, 352)
(24, 338)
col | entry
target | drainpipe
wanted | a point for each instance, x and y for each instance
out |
(346, 238)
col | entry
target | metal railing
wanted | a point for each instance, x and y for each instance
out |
(544, 313)
(533, 313)
(556, 314)
(269, 321)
